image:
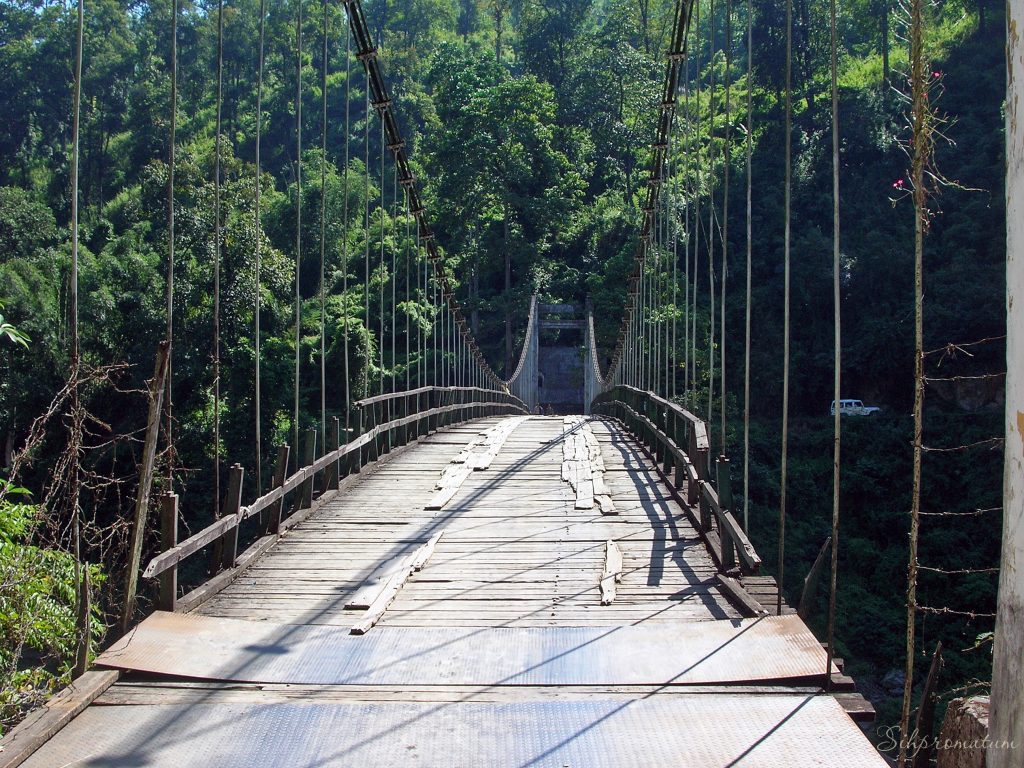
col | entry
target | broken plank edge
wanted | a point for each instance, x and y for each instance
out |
(45, 722)
(213, 586)
(393, 585)
(739, 597)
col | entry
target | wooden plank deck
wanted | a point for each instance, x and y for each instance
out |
(515, 557)
(515, 551)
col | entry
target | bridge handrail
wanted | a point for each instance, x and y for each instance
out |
(662, 426)
(479, 403)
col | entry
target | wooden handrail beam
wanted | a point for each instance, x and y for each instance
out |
(211, 533)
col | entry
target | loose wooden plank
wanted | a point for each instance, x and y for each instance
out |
(742, 599)
(413, 562)
(369, 591)
(476, 456)
(612, 574)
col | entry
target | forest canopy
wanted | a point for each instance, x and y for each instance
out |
(529, 126)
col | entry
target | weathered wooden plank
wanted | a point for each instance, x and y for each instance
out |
(42, 724)
(413, 562)
(742, 599)
(612, 572)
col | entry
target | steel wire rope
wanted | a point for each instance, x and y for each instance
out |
(368, 348)
(298, 217)
(746, 336)
(382, 269)
(837, 324)
(257, 261)
(345, 223)
(711, 212)
(169, 394)
(785, 322)
(323, 236)
(725, 208)
(217, 258)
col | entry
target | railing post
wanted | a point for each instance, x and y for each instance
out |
(406, 430)
(356, 457)
(679, 475)
(232, 503)
(387, 408)
(308, 457)
(367, 421)
(693, 488)
(666, 457)
(331, 474)
(168, 580)
(705, 507)
(725, 502)
(276, 510)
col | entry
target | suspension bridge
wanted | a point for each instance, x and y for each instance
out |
(443, 572)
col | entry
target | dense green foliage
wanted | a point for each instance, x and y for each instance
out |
(529, 124)
(37, 609)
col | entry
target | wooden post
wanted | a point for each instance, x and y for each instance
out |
(308, 457)
(812, 580)
(705, 507)
(667, 419)
(679, 477)
(357, 456)
(331, 473)
(82, 624)
(232, 503)
(725, 501)
(406, 430)
(925, 723)
(276, 510)
(156, 399)
(1006, 719)
(168, 595)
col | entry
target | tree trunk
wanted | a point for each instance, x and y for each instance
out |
(499, 28)
(9, 449)
(885, 43)
(805, 57)
(645, 36)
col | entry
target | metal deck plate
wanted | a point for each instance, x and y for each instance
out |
(770, 648)
(694, 730)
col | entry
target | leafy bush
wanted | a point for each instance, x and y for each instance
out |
(37, 609)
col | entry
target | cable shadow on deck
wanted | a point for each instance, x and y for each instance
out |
(280, 645)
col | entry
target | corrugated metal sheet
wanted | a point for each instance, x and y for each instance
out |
(696, 731)
(770, 648)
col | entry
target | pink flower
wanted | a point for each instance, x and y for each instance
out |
(936, 74)
(898, 184)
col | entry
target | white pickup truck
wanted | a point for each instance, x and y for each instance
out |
(853, 408)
